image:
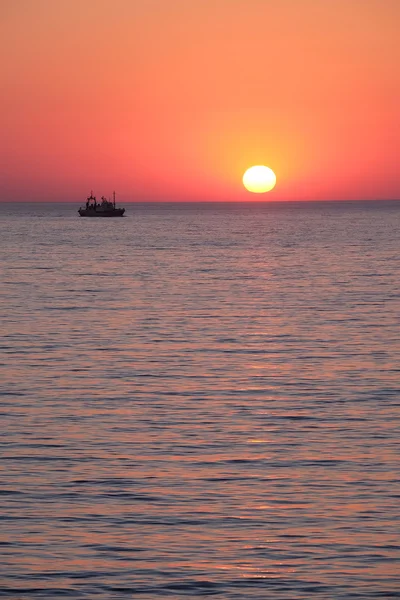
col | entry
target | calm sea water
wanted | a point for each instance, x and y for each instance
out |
(200, 400)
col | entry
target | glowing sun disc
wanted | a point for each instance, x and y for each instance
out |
(259, 179)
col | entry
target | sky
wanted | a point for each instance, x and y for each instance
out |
(166, 100)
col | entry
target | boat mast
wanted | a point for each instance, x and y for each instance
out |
(114, 198)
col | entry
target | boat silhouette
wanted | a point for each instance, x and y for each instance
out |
(104, 208)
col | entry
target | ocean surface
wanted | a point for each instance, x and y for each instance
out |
(200, 400)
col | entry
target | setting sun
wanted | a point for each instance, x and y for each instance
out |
(259, 179)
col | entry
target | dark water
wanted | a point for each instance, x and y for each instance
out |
(200, 400)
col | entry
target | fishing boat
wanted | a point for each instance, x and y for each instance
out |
(104, 208)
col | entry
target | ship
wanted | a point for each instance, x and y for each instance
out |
(104, 208)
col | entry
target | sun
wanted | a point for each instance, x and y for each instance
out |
(259, 179)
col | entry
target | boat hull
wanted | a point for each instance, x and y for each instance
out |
(117, 212)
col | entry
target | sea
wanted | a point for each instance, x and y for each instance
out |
(200, 400)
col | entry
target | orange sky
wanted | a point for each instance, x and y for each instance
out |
(174, 99)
